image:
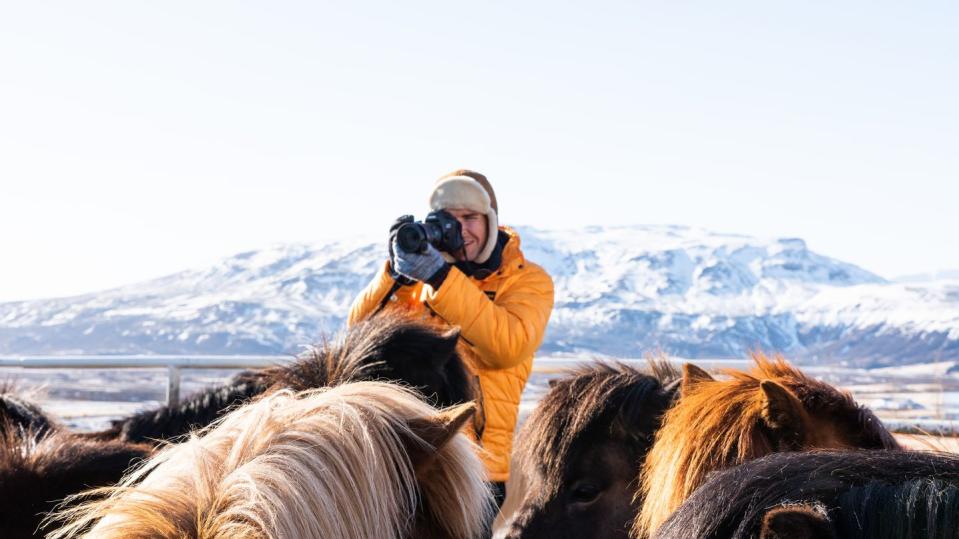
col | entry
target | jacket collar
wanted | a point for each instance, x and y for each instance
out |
(504, 254)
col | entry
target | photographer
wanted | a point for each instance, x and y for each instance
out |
(499, 300)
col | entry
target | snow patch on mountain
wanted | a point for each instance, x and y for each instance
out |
(621, 291)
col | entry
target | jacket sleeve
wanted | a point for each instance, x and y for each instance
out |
(369, 300)
(504, 331)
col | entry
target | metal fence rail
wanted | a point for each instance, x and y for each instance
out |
(172, 364)
(175, 363)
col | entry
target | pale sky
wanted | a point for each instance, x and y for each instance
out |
(139, 139)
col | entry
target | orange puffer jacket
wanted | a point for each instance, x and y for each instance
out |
(501, 318)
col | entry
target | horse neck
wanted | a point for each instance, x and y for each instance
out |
(714, 427)
(201, 409)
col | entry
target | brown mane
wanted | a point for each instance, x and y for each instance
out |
(721, 423)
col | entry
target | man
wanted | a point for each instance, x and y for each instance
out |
(499, 300)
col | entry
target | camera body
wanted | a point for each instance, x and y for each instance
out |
(440, 229)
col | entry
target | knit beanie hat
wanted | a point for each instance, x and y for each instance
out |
(465, 189)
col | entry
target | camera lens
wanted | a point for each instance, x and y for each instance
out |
(411, 238)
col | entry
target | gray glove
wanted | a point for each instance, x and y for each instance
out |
(405, 281)
(417, 266)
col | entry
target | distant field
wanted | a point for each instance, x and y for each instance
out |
(87, 399)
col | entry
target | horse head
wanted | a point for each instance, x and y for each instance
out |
(582, 447)
(391, 347)
(718, 423)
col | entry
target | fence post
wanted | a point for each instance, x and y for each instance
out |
(173, 386)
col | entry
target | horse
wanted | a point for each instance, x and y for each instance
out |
(41, 462)
(386, 347)
(849, 494)
(716, 424)
(582, 447)
(38, 468)
(18, 412)
(359, 460)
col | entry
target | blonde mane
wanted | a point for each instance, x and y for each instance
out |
(332, 462)
(716, 424)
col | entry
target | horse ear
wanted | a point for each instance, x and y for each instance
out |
(445, 347)
(781, 409)
(692, 375)
(797, 522)
(442, 427)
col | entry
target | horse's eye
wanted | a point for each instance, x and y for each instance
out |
(584, 493)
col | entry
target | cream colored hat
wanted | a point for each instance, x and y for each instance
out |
(469, 190)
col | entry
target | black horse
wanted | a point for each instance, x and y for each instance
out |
(387, 348)
(583, 446)
(839, 494)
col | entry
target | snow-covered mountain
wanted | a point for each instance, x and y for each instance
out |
(621, 291)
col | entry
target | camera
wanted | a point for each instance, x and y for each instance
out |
(440, 229)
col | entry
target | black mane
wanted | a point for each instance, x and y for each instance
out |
(390, 348)
(861, 493)
(19, 413)
(200, 409)
(387, 347)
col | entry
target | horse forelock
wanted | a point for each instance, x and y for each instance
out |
(582, 406)
(327, 462)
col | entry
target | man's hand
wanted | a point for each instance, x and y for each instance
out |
(400, 221)
(416, 266)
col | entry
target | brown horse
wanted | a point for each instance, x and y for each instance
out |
(582, 446)
(359, 460)
(716, 424)
(386, 347)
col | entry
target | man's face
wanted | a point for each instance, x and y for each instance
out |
(475, 231)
